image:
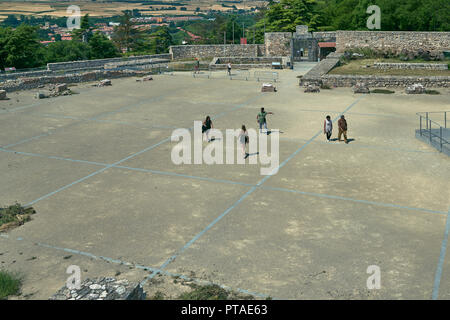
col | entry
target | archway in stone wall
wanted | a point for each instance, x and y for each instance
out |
(304, 49)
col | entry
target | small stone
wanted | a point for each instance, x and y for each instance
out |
(60, 88)
(361, 87)
(311, 88)
(95, 287)
(41, 95)
(105, 82)
(92, 296)
(416, 88)
(120, 290)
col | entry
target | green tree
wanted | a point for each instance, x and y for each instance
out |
(67, 51)
(11, 21)
(126, 34)
(162, 40)
(102, 47)
(20, 48)
(407, 15)
(85, 32)
(287, 14)
(85, 24)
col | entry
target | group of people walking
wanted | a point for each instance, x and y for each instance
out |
(261, 119)
(342, 128)
(243, 139)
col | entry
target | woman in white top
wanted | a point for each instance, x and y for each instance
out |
(243, 140)
(328, 127)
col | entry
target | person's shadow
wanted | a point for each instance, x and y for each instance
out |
(270, 131)
(348, 140)
(250, 154)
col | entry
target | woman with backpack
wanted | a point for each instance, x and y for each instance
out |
(207, 125)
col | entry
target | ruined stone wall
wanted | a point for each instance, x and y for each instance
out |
(36, 82)
(335, 80)
(410, 66)
(325, 36)
(220, 50)
(398, 42)
(277, 44)
(99, 63)
(15, 75)
(319, 75)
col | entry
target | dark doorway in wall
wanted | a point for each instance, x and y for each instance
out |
(325, 48)
(305, 49)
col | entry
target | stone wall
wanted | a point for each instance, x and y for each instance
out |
(325, 36)
(16, 75)
(277, 44)
(220, 50)
(247, 60)
(398, 42)
(412, 66)
(334, 80)
(99, 63)
(32, 83)
(319, 75)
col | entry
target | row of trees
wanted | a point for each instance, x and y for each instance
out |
(21, 48)
(324, 15)
(398, 15)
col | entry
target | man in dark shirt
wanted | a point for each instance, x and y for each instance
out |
(342, 124)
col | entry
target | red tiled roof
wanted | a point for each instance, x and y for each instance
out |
(327, 44)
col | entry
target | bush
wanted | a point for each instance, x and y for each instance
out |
(14, 215)
(432, 92)
(10, 284)
(211, 292)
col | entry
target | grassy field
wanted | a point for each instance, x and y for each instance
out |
(108, 9)
(359, 67)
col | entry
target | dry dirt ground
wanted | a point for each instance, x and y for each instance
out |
(97, 168)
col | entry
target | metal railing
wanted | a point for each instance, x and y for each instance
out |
(240, 74)
(266, 75)
(435, 130)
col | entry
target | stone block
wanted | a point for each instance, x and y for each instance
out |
(102, 289)
(3, 95)
(416, 88)
(361, 87)
(312, 88)
(60, 88)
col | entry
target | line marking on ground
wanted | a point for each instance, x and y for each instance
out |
(134, 124)
(97, 172)
(129, 157)
(440, 266)
(353, 113)
(353, 145)
(138, 266)
(249, 192)
(78, 121)
(224, 181)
